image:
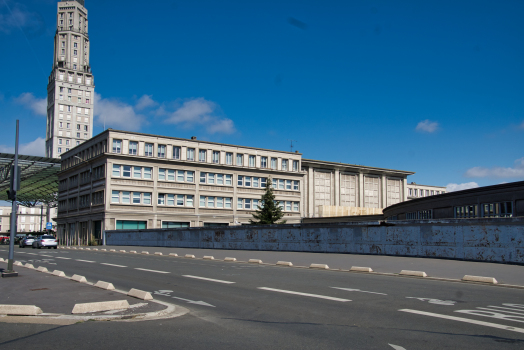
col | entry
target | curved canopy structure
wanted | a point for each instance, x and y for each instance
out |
(38, 178)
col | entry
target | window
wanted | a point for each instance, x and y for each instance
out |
(216, 157)
(240, 159)
(416, 192)
(126, 197)
(410, 192)
(284, 164)
(126, 171)
(133, 148)
(263, 162)
(116, 170)
(273, 163)
(161, 151)
(174, 224)
(228, 180)
(229, 158)
(137, 172)
(247, 181)
(171, 174)
(161, 199)
(251, 161)
(117, 144)
(295, 185)
(240, 180)
(191, 154)
(202, 155)
(202, 177)
(220, 179)
(148, 151)
(295, 165)
(136, 197)
(146, 198)
(161, 174)
(148, 173)
(295, 206)
(130, 225)
(176, 152)
(115, 197)
(288, 184)
(263, 182)
(504, 209)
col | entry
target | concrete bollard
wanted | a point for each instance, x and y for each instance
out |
(471, 278)
(140, 294)
(190, 256)
(361, 269)
(255, 261)
(284, 263)
(105, 285)
(413, 273)
(209, 257)
(158, 253)
(319, 266)
(173, 254)
(230, 259)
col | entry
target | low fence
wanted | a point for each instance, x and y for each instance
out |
(494, 240)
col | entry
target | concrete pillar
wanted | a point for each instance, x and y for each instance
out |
(311, 192)
(383, 191)
(337, 188)
(361, 190)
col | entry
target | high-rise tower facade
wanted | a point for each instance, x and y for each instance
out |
(71, 88)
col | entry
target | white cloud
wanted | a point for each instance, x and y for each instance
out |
(144, 102)
(29, 101)
(451, 187)
(427, 126)
(517, 171)
(33, 148)
(116, 114)
(199, 112)
(16, 16)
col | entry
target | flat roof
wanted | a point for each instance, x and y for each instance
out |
(38, 178)
(177, 138)
(354, 166)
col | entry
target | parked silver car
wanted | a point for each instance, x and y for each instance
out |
(27, 241)
(45, 241)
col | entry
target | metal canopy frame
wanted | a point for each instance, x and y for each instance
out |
(39, 178)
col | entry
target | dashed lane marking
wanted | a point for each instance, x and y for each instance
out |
(358, 290)
(208, 279)
(137, 268)
(49, 256)
(304, 294)
(113, 265)
(466, 320)
(60, 257)
(89, 261)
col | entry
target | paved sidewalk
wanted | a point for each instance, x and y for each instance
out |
(57, 296)
(442, 268)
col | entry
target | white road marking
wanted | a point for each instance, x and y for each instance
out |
(203, 303)
(358, 290)
(208, 279)
(49, 256)
(396, 347)
(303, 294)
(435, 301)
(32, 253)
(505, 310)
(519, 306)
(137, 268)
(89, 261)
(493, 314)
(113, 265)
(467, 320)
(59, 257)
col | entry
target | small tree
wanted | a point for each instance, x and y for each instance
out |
(269, 211)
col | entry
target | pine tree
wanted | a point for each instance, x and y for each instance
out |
(269, 211)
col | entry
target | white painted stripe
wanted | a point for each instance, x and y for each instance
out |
(32, 253)
(303, 294)
(507, 308)
(113, 265)
(519, 306)
(208, 279)
(137, 268)
(59, 257)
(49, 256)
(358, 290)
(467, 320)
(492, 308)
(89, 261)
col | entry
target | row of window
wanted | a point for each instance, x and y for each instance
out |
(414, 192)
(186, 200)
(70, 77)
(70, 99)
(486, 210)
(79, 92)
(68, 108)
(137, 172)
(78, 126)
(420, 215)
(203, 154)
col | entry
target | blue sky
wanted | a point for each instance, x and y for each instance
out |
(434, 87)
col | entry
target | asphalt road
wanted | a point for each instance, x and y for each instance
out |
(239, 305)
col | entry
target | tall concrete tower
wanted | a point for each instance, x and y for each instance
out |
(71, 88)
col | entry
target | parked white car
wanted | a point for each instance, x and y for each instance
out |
(45, 241)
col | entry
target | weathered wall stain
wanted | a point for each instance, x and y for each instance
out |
(494, 240)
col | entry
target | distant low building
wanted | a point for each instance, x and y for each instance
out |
(28, 219)
(418, 191)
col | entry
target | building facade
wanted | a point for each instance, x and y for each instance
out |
(28, 219)
(419, 191)
(70, 88)
(129, 180)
